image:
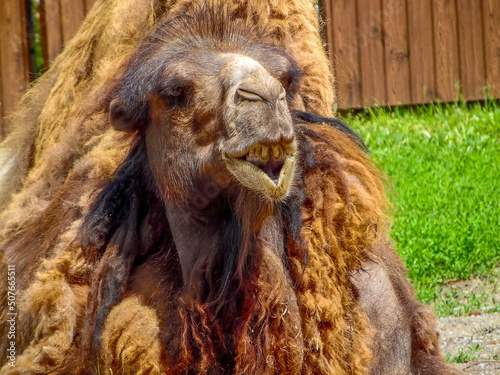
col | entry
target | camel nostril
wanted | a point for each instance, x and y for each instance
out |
(248, 94)
(260, 86)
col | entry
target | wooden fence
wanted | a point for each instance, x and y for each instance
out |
(59, 21)
(391, 52)
(385, 52)
(13, 55)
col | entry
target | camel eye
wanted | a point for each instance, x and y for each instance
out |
(175, 94)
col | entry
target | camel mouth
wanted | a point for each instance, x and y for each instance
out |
(266, 168)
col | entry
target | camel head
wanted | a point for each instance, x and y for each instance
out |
(214, 107)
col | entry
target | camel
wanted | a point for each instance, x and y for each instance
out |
(206, 214)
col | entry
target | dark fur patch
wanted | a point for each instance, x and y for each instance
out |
(133, 184)
(300, 116)
(125, 223)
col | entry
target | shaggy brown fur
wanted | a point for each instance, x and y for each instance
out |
(121, 303)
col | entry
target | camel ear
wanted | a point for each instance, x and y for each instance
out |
(124, 119)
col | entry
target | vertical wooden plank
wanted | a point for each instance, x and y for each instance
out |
(371, 50)
(13, 55)
(25, 44)
(470, 34)
(446, 49)
(72, 14)
(396, 52)
(50, 23)
(421, 51)
(344, 27)
(491, 19)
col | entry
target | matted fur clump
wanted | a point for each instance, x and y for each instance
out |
(103, 246)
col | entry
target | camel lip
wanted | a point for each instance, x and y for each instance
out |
(272, 173)
(274, 186)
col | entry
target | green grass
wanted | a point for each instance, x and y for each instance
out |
(444, 164)
(456, 302)
(468, 355)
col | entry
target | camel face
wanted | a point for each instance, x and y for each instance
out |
(213, 116)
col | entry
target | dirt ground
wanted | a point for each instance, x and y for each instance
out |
(481, 368)
(475, 339)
